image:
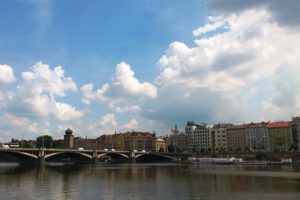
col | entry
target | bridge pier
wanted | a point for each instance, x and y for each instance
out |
(131, 157)
(41, 157)
(94, 157)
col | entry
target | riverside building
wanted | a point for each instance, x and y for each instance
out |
(256, 136)
(280, 136)
(218, 134)
(177, 140)
(235, 136)
(198, 137)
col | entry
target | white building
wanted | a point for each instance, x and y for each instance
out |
(199, 137)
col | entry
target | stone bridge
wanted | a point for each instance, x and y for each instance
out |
(42, 154)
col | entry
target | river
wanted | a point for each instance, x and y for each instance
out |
(149, 181)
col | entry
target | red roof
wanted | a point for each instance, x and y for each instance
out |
(85, 140)
(279, 125)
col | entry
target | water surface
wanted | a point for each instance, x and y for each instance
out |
(149, 181)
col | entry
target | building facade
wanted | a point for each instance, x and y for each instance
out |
(280, 136)
(69, 139)
(296, 132)
(177, 141)
(256, 136)
(218, 134)
(235, 136)
(198, 137)
(160, 145)
(128, 141)
(85, 143)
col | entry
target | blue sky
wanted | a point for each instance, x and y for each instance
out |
(144, 65)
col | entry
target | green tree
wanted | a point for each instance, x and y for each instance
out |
(238, 149)
(26, 145)
(47, 141)
(293, 146)
(58, 144)
(247, 149)
(170, 148)
(202, 150)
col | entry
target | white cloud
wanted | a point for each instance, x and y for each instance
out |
(36, 92)
(108, 119)
(88, 95)
(124, 85)
(222, 70)
(66, 112)
(6, 74)
(215, 23)
(131, 125)
(106, 125)
(43, 79)
(130, 108)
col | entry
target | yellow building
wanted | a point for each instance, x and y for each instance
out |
(128, 141)
(280, 136)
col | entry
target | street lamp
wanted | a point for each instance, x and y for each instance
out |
(43, 136)
(22, 139)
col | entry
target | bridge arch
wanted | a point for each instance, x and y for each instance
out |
(155, 155)
(60, 153)
(296, 157)
(16, 153)
(113, 153)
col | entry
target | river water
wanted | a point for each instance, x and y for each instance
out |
(149, 181)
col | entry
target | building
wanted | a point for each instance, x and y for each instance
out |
(296, 133)
(176, 141)
(256, 136)
(218, 134)
(85, 143)
(198, 137)
(114, 141)
(139, 141)
(160, 145)
(69, 139)
(280, 136)
(128, 141)
(235, 136)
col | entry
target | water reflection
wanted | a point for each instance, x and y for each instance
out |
(149, 181)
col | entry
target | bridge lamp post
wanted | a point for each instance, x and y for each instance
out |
(43, 141)
(22, 139)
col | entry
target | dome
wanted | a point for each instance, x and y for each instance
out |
(68, 131)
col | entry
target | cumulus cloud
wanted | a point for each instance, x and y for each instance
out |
(124, 85)
(248, 51)
(284, 12)
(43, 79)
(214, 23)
(35, 95)
(130, 108)
(131, 124)
(106, 125)
(88, 95)
(6, 74)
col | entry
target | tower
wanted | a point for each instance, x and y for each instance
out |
(69, 139)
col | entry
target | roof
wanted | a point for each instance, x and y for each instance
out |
(279, 125)
(86, 140)
(243, 126)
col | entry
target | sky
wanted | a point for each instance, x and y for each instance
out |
(105, 66)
